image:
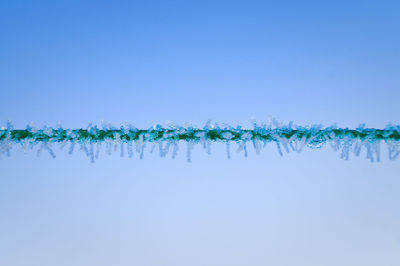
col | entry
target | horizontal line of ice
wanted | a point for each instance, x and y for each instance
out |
(128, 139)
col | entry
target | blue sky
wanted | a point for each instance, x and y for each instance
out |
(146, 62)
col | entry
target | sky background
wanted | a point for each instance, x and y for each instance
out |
(148, 62)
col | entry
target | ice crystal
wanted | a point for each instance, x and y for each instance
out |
(129, 140)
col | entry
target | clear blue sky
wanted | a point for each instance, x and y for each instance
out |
(146, 62)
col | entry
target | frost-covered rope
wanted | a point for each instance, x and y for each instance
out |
(129, 140)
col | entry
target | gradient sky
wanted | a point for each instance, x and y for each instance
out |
(147, 62)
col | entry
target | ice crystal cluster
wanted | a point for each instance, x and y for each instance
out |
(128, 140)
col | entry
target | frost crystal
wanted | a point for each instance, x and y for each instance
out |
(128, 139)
